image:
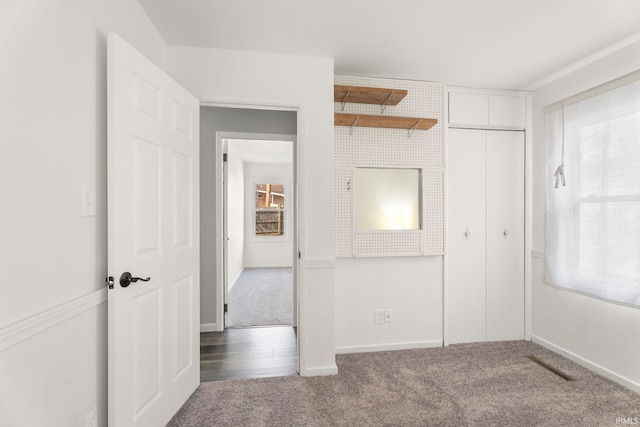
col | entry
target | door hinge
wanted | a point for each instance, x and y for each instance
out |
(226, 308)
(225, 157)
(110, 282)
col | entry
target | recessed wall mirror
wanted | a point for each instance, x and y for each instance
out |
(269, 210)
(386, 199)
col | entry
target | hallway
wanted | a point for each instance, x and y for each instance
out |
(247, 353)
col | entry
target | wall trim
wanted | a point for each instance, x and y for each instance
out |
(209, 327)
(26, 328)
(315, 372)
(265, 265)
(583, 62)
(411, 345)
(537, 254)
(623, 381)
(320, 263)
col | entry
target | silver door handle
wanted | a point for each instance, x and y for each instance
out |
(467, 234)
(506, 233)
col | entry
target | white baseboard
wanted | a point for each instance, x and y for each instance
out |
(389, 347)
(623, 381)
(209, 327)
(316, 372)
(23, 329)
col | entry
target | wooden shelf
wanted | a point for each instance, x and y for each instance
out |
(412, 123)
(368, 95)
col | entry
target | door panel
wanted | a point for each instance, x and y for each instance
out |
(146, 352)
(505, 235)
(153, 231)
(182, 201)
(183, 312)
(146, 197)
(466, 194)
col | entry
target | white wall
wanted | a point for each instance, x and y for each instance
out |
(600, 335)
(236, 214)
(247, 78)
(53, 133)
(410, 286)
(267, 251)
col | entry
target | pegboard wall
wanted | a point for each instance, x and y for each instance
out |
(391, 148)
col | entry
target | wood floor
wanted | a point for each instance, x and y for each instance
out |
(248, 353)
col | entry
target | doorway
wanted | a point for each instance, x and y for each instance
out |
(258, 234)
(219, 125)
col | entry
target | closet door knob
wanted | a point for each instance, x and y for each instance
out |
(506, 232)
(467, 234)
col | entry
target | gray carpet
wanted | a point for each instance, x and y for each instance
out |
(262, 297)
(487, 384)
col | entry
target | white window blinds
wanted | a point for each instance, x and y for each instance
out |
(593, 223)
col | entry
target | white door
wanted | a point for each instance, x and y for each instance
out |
(153, 232)
(505, 235)
(467, 236)
(486, 235)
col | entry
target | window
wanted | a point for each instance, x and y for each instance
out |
(593, 223)
(269, 210)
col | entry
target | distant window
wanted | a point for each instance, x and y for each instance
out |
(270, 209)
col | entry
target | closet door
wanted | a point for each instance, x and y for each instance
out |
(505, 235)
(466, 252)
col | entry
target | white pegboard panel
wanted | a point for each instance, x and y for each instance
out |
(433, 211)
(343, 216)
(388, 243)
(392, 148)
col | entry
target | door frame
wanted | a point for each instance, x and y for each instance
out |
(299, 224)
(222, 277)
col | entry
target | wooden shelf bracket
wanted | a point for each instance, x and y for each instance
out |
(353, 125)
(344, 100)
(384, 104)
(413, 128)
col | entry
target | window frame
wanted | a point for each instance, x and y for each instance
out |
(286, 183)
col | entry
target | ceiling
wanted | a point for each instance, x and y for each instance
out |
(497, 44)
(261, 151)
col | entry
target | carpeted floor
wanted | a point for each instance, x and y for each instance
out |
(261, 297)
(485, 384)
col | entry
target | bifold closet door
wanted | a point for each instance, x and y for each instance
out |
(467, 235)
(505, 235)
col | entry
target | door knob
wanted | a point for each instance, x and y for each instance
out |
(506, 232)
(467, 234)
(126, 279)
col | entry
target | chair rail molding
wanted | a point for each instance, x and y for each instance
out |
(320, 263)
(30, 326)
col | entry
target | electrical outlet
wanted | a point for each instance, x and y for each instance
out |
(388, 316)
(91, 420)
(378, 317)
